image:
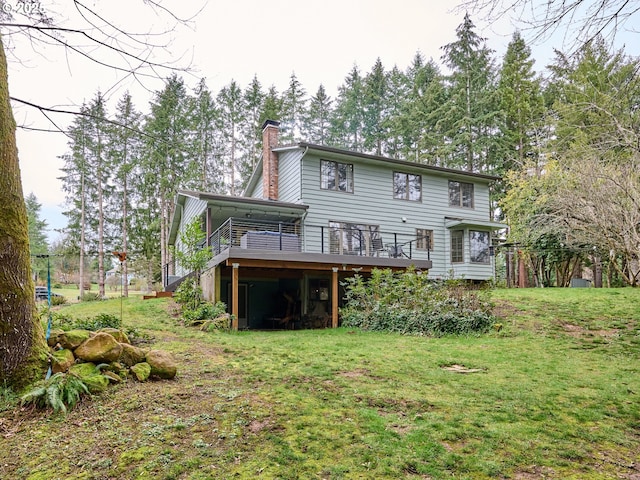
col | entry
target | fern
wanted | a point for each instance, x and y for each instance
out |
(53, 396)
(60, 392)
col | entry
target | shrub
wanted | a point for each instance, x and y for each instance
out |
(410, 303)
(205, 311)
(66, 322)
(188, 294)
(61, 320)
(58, 300)
(103, 320)
(91, 297)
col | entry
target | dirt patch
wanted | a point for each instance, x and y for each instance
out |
(577, 331)
(355, 373)
(505, 310)
(256, 426)
(535, 472)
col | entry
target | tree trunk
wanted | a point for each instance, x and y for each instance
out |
(23, 350)
(82, 237)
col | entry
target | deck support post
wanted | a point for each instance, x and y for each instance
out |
(334, 297)
(234, 295)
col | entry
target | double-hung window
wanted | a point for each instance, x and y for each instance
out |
(407, 186)
(457, 246)
(336, 176)
(424, 239)
(460, 194)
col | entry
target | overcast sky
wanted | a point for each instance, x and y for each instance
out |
(319, 41)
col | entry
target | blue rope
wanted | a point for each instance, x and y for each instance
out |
(50, 321)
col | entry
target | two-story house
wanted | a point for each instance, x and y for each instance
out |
(312, 215)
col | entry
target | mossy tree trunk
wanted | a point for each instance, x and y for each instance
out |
(22, 345)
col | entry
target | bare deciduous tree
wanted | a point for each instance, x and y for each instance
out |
(580, 20)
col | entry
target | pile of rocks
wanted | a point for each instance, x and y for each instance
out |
(98, 358)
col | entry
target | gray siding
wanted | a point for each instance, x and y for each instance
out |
(257, 191)
(192, 208)
(289, 176)
(372, 203)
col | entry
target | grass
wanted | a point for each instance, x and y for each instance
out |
(555, 395)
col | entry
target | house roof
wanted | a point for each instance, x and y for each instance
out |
(246, 204)
(462, 222)
(349, 154)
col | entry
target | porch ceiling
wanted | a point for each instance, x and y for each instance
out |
(223, 208)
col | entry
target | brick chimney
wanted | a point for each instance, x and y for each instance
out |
(270, 130)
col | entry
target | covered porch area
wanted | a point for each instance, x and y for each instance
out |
(287, 290)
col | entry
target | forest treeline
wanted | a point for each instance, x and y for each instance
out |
(546, 132)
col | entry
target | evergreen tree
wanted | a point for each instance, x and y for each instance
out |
(167, 164)
(395, 124)
(232, 118)
(254, 99)
(125, 153)
(294, 106)
(318, 118)
(80, 191)
(207, 146)
(272, 107)
(99, 170)
(375, 109)
(347, 128)
(421, 113)
(521, 104)
(38, 244)
(470, 112)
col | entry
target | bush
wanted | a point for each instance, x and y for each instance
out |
(91, 297)
(103, 320)
(58, 300)
(205, 311)
(188, 294)
(66, 322)
(410, 303)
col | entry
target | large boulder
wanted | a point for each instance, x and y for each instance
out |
(141, 371)
(73, 338)
(102, 348)
(90, 376)
(61, 360)
(119, 335)
(162, 364)
(131, 355)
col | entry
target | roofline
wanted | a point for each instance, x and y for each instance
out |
(379, 158)
(244, 200)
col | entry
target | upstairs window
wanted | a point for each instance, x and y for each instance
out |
(460, 194)
(336, 176)
(407, 186)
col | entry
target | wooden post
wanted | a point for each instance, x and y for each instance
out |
(234, 295)
(334, 298)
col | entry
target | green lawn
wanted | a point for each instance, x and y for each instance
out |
(554, 394)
